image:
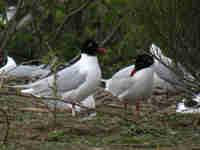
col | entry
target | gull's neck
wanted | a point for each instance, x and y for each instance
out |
(88, 57)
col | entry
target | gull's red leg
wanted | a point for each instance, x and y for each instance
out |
(125, 107)
(137, 110)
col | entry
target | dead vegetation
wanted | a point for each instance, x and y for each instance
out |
(25, 124)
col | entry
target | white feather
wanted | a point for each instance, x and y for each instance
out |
(10, 65)
(77, 82)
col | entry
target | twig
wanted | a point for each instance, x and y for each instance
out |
(5, 139)
(109, 36)
(56, 99)
(11, 28)
(67, 18)
(134, 145)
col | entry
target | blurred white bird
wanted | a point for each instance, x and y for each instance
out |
(164, 73)
(181, 108)
(10, 64)
(31, 71)
(11, 11)
(34, 71)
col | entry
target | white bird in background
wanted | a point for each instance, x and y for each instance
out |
(10, 65)
(133, 84)
(181, 108)
(75, 82)
(35, 71)
(9, 15)
(170, 78)
(32, 71)
(162, 73)
(7, 63)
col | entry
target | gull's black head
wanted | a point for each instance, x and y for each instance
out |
(143, 61)
(90, 47)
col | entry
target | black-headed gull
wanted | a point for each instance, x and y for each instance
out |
(77, 81)
(133, 85)
(157, 81)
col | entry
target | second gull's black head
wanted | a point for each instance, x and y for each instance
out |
(142, 61)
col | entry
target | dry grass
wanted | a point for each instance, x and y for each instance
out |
(158, 128)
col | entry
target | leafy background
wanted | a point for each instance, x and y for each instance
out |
(173, 25)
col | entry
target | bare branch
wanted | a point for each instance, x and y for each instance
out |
(67, 18)
(7, 126)
(109, 36)
(11, 28)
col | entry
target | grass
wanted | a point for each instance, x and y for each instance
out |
(112, 128)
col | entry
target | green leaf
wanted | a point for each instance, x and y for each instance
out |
(60, 16)
(108, 1)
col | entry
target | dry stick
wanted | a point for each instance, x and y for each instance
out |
(7, 126)
(12, 26)
(133, 145)
(66, 19)
(70, 101)
(20, 24)
(65, 110)
(108, 38)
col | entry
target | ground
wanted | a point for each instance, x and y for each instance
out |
(158, 128)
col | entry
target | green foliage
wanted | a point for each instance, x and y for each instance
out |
(172, 24)
(55, 134)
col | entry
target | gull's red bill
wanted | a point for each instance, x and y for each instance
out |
(102, 50)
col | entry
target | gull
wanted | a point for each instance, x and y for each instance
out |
(76, 82)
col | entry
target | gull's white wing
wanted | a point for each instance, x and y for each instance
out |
(125, 72)
(121, 74)
(164, 73)
(23, 70)
(117, 86)
(67, 79)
